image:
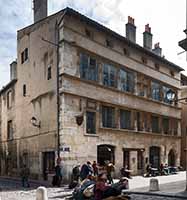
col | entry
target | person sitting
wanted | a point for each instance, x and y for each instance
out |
(125, 172)
(79, 191)
(148, 170)
(103, 190)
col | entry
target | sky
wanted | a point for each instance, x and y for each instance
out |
(167, 19)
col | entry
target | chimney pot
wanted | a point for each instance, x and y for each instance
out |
(131, 30)
(157, 50)
(147, 37)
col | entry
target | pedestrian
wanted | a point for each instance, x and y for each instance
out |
(109, 170)
(95, 168)
(58, 175)
(25, 172)
(86, 169)
(75, 177)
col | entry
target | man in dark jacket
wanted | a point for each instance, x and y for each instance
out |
(86, 169)
(25, 172)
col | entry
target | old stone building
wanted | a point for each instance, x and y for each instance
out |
(183, 121)
(112, 97)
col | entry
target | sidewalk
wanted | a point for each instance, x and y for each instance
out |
(170, 186)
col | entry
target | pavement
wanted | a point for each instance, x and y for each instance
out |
(171, 188)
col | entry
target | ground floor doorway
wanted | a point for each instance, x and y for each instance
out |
(48, 163)
(105, 153)
(154, 156)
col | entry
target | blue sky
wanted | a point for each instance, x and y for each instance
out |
(167, 19)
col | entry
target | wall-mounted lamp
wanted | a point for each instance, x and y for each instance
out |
(35, 122)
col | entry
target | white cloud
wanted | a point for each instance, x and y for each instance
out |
(167, 19)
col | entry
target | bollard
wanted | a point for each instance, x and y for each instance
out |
(41, 193)
(154, 185)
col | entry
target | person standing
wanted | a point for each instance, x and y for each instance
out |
(95, 168)
(86, 169)
(109, 171)
(25, 172)
(58, 175)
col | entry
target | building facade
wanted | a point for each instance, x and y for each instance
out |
(112, 98)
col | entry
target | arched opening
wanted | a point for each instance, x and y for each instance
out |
(154, 156)
(171, 158)
(104, 153)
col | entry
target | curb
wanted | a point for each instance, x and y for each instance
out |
(156, 194)
(32, 181)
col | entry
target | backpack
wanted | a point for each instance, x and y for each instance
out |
(89, 191)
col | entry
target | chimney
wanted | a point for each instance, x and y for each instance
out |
(147, 38)
(40, 10)
(13, 70)
(131, 30)
(157, 50)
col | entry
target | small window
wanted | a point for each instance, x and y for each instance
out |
(125, 119)
(24, 55)
(24, 90)
(109, 43)
(172, 73)
(108, 117)
(126, 52)
(157, 66)
(49, 75)
(10, 130)
(88, 33)
(144, 60)
(90, 122)
(9, 99)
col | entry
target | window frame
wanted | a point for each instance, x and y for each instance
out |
(93, 128)
(108, 122)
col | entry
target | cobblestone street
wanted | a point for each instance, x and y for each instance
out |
(145, 197)
(12, 190)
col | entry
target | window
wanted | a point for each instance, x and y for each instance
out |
(157, 66)
(24, 55)
(175, 127)
(155, 124)
(108, 117)
(165, 125)
(88, 33)
(165, 90)
(126, 52)
(125, 119)
(88, 68)
(155, 91)
(109, 43)
(10, 130)
(172, 73)
(9, 99)
(24, 90)
(90, 122)
(49, 76)
(109, 75)
(126, 81)
(144, 60)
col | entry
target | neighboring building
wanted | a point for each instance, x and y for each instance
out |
(113, 103)
(184, 120)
